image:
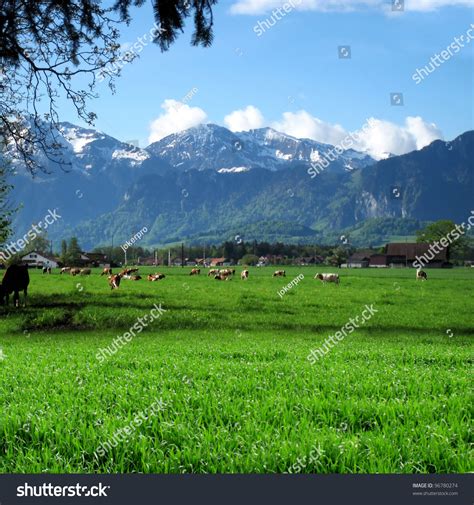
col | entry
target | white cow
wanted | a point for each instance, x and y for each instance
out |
(324, 278)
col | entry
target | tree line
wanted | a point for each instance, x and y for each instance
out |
(247, 252)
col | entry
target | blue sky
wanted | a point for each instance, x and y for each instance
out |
(293, 76)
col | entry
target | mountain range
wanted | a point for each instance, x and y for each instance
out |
(208, 184)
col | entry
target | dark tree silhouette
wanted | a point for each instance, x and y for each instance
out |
(5, 210)
(64, 47)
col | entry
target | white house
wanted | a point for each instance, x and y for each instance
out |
(35, 259)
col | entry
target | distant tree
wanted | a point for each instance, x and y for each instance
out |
(49, 47)
(63, 257)
(338, 257)
(74, 251)
(249, 259)
(228, 249)
(39, 244)
(447, 229)
(5, 210)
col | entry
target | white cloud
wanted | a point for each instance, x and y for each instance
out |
(384, 137)
(177, 117)
(431, 5)
(380, 139)
(302, 125)
(244, 119)
(254, 7)
(423, 132)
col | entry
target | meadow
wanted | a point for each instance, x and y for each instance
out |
(228, 362)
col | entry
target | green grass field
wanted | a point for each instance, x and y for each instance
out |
(229, 362)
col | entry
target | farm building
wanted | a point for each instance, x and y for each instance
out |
(397, 255)
(203, 262)
(271, 259)
(359, 260)
(94, 259)
(309, 260)
(149, 261)
(378, 261)
(404, 254)
(36, 259)
(218, 262)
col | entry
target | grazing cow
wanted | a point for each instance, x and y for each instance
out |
(156, 277)
(222, 277)
(114, 281)
(279, 273)
(106, 271)
(85, 271)
(195, 271)
(128, 271)
(244, 274)
(421, 275)
(74, 271)
(135, 277)
(324, 278)
(15, 279)
(65, 270)
(46, 270)
(213, 271)
(227, 271)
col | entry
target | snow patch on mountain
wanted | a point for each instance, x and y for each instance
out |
(283, 156)
(314, 156)
(134, 154)
(233, 170)
(78, 137)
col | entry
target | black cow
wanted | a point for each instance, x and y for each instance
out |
(16, 279)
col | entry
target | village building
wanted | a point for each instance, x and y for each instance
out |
(35, 259)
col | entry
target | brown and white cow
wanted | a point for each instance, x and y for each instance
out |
(279, 273)
(106, 271)
(213, 271)
(195, 271)
(325, 278)
(65, 270)
(85, 271)
(227, 271)
(222, 277)
(75, 271)
(244, 274)
(156, 277)
(114, 281)
(128, 271)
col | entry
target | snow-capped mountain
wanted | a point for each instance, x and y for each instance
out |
(97, 172)
(212, 147)
(92, 151)
(209, 178)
